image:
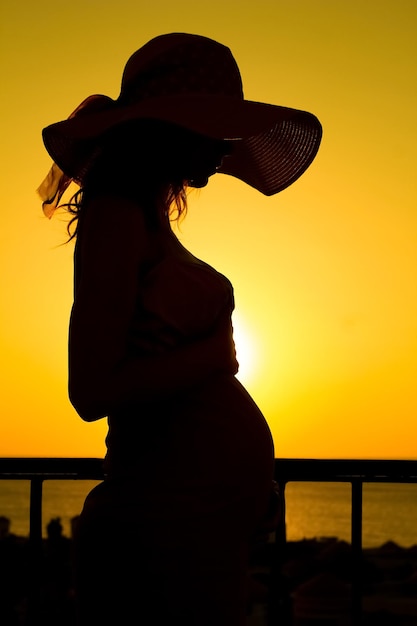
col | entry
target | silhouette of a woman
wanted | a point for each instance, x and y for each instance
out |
(189, 462)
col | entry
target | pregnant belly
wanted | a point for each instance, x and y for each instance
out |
(215, 435)
(222, 414)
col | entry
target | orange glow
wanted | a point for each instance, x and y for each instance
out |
(325, 273)
(247, 350)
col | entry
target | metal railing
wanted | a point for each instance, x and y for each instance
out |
(37, 470)
(355, 472)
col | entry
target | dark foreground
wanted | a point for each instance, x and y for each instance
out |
(307, 585)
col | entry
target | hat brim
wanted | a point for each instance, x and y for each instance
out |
(274, 144)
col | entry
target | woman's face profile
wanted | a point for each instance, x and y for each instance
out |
(206, 159)
(152, 146)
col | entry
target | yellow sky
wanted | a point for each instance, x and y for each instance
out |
(324, 273)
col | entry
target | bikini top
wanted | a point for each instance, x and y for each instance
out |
(181, 300)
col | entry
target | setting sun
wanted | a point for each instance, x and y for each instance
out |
(246, 349)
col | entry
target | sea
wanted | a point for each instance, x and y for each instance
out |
(313, 510)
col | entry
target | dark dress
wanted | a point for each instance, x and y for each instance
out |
(164, 539)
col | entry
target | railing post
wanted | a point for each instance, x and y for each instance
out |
(356, 552)
(35, 551)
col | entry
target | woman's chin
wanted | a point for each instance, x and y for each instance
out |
(198, 183)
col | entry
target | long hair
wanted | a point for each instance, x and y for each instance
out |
(175, 207)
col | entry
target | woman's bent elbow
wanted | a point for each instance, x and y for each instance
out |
(88, 407)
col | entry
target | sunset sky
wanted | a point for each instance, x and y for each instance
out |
(325, 273)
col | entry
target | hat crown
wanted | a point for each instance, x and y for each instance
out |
(178, 64)
(192, 82)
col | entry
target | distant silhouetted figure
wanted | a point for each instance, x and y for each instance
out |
(57, 604)
(164, 539)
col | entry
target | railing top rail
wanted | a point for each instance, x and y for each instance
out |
(364, 470)
(286, 470)
(52, 468)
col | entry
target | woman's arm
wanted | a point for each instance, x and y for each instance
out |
(113, 249)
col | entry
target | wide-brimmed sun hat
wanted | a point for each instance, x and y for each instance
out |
(194, 82)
